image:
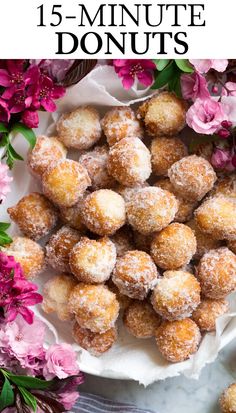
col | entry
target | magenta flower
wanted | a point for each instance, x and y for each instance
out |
(205, 116)
(204, 65)
(222, 159)
(46, 92)
(194, 86)
(128, 70)
(54, 68)
(30, 118)
(4, 111)
(13, 75)
(60, 362)
(4, 182)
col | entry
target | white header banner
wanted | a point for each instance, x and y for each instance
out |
(110, 29)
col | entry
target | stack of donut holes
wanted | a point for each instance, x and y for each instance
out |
(138, 227)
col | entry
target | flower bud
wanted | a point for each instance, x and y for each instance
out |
(223, 133)
(226, 124)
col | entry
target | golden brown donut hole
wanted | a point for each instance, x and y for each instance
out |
(95, 343)
(141, 320)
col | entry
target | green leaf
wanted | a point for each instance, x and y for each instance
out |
(3, 128)
(12, 155)
(184, 65)
(7, 395)
(4, 226)
(161, 63)
(26, 132)
(165, 76)
(4, 141)
(4, 238)
(174, 84)
(29, 399)
(30, 382)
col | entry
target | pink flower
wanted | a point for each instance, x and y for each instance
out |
(68, 394)
(205, 116)
(229, 89)
(24, 341)
(30, 118)
(4, 181)
(54, 68)
(60, 362)
(128, 70)
(46, 92)
(222, 159)
(4, 111)
(194, 86)
(13, 74)
(204, 65)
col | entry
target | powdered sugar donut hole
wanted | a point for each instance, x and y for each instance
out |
(166, 151)
(95, 343)
(208, 311)
(141, 320)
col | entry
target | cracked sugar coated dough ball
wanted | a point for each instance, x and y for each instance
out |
(95, 162)
(176, 295)
(178, 340)
(79, 129)
(28, 253)
(163, 115)
(59, 247)
(119, 123)
(72, 216)
(34, 214)
(217, 217)
(92, 261)
(204, 242)
(151, 209)
(135, 274)
(192, 177)
(208, 311)
(95, 343)
(129, 162)
(228, 399)
(164, 152)
(225, 186)
(185, 207)
(123, 240)
(65, 182)
(45, 152)
(173, 247)
(216, 273)
(56, 294)
(141, 320)
(94, 306)
(103, 212)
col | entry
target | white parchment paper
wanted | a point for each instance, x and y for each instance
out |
(129, 358)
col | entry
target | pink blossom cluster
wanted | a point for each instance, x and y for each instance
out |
(5, 180)
(26, 90)
(22, 336)
(130, 69)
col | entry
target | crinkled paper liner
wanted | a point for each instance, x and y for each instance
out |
(129, 358)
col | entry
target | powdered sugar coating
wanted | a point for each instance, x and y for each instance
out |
(94, 306)
(141, 320)
(216, 273)
(95, 162)
(176, 295)
(119, 123)
(217, 217)
(95, 343)
(72, 215)
(35, 215)
(163, 114)
(45, 152)
(92, 261)
(56, 294)
(178, 340)
(228, 399)
(166, 151)
(135, 274)
(185, 207)
(151, 209)
(28, 253)
(129, 162)
(59, 247)
(79, 129)
(192, 177)
(123, 300)
(204, 242)
(173, 247)
(128, 191)
(103, 212)
(225, 186)
(208, 311)
(65, 182)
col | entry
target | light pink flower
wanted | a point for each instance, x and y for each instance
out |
(4, 182)
(204, 65)
(30, 118)
(22, 340)
(68, 394)
(205, 116)
(229, 89)
(194, 86)
(128, 70)
(60, 362)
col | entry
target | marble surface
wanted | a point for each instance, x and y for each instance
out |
(175, 395)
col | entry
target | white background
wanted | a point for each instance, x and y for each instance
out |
(21, 38)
